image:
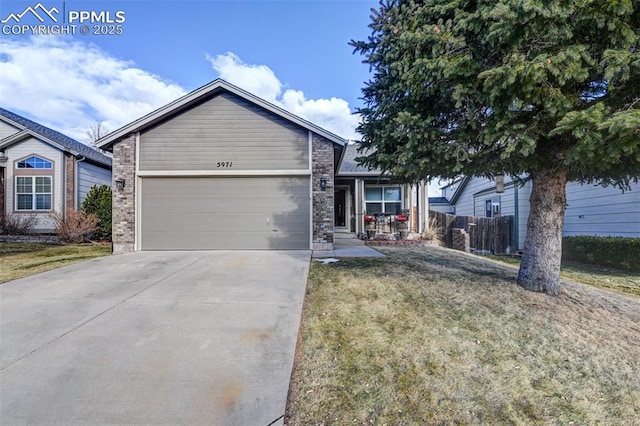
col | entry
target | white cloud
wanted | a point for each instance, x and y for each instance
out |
(332, 114)
(259, 80)
(68, 85)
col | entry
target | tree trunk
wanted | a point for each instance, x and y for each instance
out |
(540, 266)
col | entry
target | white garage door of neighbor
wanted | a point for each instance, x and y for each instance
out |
(225, 213)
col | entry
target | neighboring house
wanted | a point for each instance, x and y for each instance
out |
(440, 204)
(220, 168)
(42, 170)
(590, 210)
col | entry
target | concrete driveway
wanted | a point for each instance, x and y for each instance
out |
(153, 338)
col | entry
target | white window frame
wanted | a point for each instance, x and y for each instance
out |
(383, 202)
(34, 194)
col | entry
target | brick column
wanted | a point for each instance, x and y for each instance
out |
(461, 240)
(124, 201)
(70, 178)
(323, 205)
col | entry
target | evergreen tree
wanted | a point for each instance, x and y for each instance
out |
(548, 89)
(99, 202)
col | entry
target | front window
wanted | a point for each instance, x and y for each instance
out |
(33, 193)
(34, 163)
(383, 199)
(492, 207)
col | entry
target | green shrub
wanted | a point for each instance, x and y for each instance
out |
(98, 202)
(613, 252)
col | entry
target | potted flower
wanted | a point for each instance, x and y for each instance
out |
(370, 225)
(402, 225)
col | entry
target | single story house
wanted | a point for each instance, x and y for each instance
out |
(591, 209)
(42, 170)
(221, 168)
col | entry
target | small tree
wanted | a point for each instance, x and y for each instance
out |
(95, 131)
(99, 202)
(545, 89)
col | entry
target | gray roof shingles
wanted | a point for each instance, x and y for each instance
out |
(438, 200)
(86, 151)
(349, 165)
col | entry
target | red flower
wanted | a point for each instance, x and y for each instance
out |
(402, 218)
(369, 218)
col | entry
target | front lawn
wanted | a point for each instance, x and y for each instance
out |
(434, 336)
(18, 260)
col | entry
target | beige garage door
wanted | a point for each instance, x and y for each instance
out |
(225, 213)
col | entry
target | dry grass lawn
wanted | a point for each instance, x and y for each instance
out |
(624, 282)
(433, 336)
(19, 260)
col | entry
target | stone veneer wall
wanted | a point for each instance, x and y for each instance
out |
(461, 240)
(70, 184)
(124, 201)
(323, 205)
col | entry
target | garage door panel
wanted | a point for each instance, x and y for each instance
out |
(234, 241)
(181, 213)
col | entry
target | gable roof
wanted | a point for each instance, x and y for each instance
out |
(29, 128)
(211, 89)
(349, 166)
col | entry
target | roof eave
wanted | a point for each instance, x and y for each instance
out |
(459, 189)
(11, 122)
(17, 137)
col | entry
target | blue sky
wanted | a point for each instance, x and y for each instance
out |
(292, 53)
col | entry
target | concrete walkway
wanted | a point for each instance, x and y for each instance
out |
(348, 251)
(153, 338)
(348, 245)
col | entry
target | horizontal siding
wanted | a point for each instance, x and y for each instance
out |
(465, 204)
(225, 129)
(33, 146)
(7, 130)
(90, 175)
(602, 211)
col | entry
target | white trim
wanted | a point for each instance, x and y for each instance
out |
(137, 168)
(227, 172)
(383, 202)
(347, 208)
(311, 213)
(359, 187)
(310, 150)
(310, 147)
(137, 197)
(33, 193)
(137, 242)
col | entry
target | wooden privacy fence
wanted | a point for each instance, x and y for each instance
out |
(486, 234)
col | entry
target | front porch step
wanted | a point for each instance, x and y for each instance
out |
(346, 239)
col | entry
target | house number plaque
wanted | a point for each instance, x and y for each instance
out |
(224, 164)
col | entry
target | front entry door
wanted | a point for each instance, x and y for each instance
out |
(341, 208)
